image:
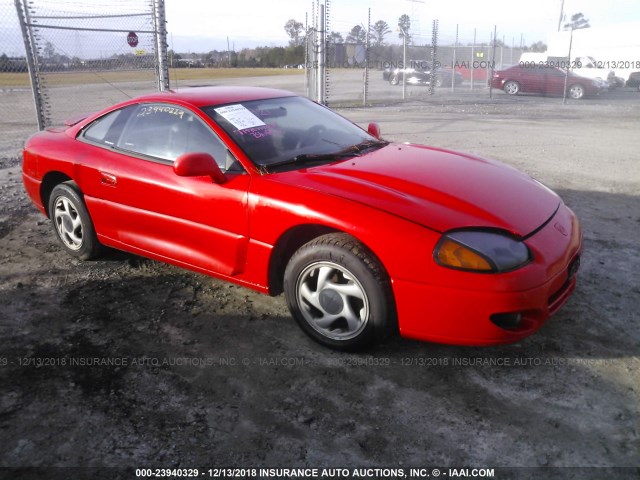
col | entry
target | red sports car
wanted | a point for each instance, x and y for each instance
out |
(277, 193)
(546, 80)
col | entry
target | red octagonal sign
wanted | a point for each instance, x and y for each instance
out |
(132, 39)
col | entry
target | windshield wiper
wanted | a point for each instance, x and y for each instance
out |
(309, 158)
(367, 144)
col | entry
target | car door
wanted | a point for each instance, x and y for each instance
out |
(532, 79)
(138, 203)
(555, 81)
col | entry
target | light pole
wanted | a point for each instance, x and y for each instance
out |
(577, 22)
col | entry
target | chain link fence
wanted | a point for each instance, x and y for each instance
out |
(16, 99)
(460, 70)
(79, 56)
(370, 70)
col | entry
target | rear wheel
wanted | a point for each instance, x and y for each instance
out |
(71, 221)
(338, 293)
(394, 79)
(576, 91)
(511, 87)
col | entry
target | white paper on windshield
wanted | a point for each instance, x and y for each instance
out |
(240, 117)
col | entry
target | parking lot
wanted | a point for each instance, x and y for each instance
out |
(124, 361)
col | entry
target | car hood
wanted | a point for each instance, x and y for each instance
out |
(436, 188)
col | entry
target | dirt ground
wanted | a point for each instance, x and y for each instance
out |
(126, 362)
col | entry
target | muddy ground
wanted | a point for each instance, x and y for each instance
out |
(126, 362)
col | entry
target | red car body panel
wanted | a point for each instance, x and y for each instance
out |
(538, 290)
(436, 188)
(397, 200)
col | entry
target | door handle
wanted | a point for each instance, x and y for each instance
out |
(108, 179)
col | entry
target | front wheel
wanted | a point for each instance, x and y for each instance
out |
(512, 88)
(72, 223)
(576, 91)
(339, 293)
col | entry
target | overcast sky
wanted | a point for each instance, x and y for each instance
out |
(203, 25)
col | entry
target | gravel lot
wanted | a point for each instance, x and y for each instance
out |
(206, 374)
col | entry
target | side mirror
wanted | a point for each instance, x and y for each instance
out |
(198, 164)
(374, 130)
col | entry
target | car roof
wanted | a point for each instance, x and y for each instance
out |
(205, 96)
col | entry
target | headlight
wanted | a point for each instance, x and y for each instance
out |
(481, 251)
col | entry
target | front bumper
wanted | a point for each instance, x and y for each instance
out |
(461, 314)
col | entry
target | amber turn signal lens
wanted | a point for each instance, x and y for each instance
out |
(455, 255)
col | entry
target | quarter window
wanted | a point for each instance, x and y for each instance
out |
(107, 129)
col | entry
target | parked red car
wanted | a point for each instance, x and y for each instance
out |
(545, 80)
(277, 193)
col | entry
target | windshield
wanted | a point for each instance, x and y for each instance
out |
(276, 130)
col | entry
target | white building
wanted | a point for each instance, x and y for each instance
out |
(615, 47)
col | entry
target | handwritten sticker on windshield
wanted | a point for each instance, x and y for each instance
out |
(239, 116)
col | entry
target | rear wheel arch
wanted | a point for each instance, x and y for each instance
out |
(72, 222)
(49, 181)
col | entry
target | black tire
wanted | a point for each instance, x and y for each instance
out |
(576, 91)
(353, 308)
(394, 79)
(71, 222)
(511, 87)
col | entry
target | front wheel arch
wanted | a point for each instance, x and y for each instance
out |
(340, 293)
(284, 248)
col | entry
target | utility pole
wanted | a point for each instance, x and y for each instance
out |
(493, 61)
(321, 54)
(453, 64)
(366, 62)
(473, 58)
(306, 53)
(22, 9)
(404, 61)
(159, 19)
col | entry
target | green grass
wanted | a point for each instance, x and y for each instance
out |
(179, 74)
